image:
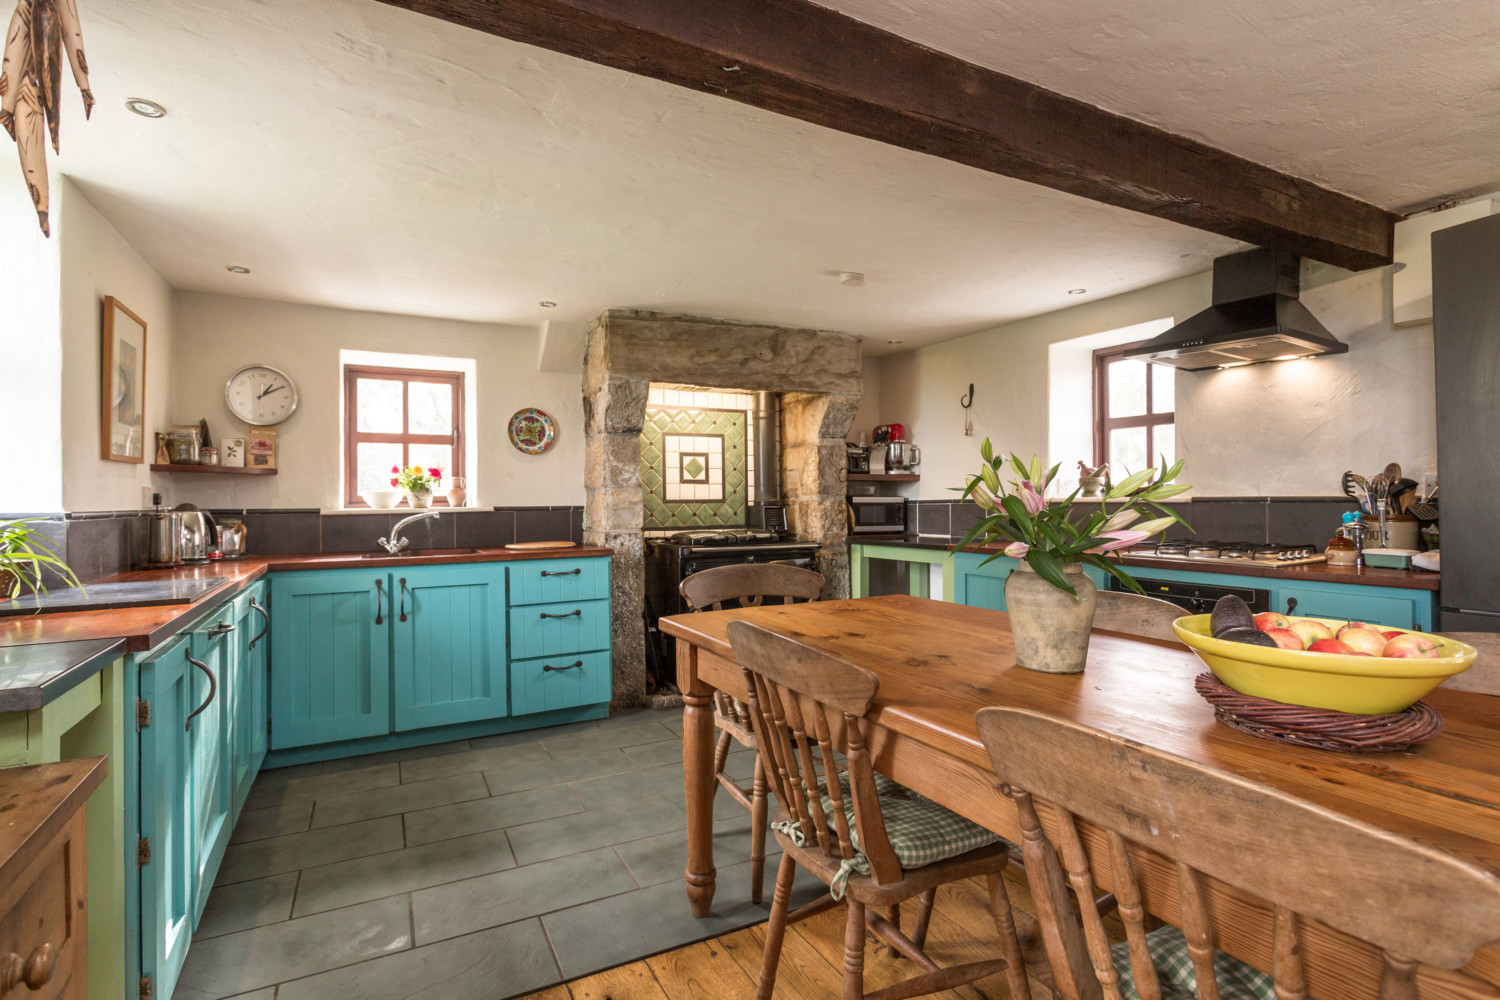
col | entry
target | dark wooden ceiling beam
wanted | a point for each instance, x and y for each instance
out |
(820, 66)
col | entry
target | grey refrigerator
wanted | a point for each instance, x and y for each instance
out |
(1466, 341)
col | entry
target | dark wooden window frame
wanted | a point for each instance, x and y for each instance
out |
(353, 436)
(1103, 423)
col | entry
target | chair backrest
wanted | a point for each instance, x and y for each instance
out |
(749, 584)
(1484, 676)
(1417, 904)
(1147, 617)
(802, 698)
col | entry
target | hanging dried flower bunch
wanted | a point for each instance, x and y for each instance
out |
(31, 85)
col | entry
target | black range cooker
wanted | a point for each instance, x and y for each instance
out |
(672, 559)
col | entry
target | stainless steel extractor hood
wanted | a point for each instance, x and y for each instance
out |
(1255, 317)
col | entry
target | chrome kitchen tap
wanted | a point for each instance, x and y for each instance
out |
(395, 543)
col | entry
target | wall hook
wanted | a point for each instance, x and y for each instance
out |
(966, 402)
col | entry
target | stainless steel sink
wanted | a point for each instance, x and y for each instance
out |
(424, 553)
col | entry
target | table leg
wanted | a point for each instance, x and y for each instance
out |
(698, 778)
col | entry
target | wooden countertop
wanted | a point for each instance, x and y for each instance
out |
(36, 802)
(146, 627)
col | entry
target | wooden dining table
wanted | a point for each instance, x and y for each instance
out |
(940, 663)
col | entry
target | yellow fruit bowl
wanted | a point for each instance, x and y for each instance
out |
(1365, 685)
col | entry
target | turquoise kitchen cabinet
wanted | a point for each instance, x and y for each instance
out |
(550, 683)
(559, 634)
(449, 645)
(570, 627)
(983, 586)
(330, 656)
(247, 690)
(551, 581)
(166, 851)
(211, 654)
(1377, 605)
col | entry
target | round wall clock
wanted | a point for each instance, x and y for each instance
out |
(261, 395)
(531, 431)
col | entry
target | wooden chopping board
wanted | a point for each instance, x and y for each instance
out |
(534, 546)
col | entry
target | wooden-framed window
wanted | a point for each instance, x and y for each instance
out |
(403, 417)
(1135, 420)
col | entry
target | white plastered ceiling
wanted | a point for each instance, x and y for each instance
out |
(361, 156)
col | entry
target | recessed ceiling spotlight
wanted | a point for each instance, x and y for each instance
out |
(851, 278)
(893, 341)
(1077, 291)
(145, 108)
(236, 269)
(547, 305)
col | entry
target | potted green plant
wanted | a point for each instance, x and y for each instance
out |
(25, 558)
(1050, 599)
(417, 482)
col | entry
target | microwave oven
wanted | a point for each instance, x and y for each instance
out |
(877, 515)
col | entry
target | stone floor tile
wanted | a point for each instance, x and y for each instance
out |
(247, 904)
(250, 959)
(275, 855)
(361, 879)
(471, 760)
(648, 782)
(264, 793)
(527, 735)
(492, 964)
(258, 824)
(664, 858)
(265, 993)
(394, 756)
(516, 894)
(555, 838)
(275, 775)
(673, 720)
(618, 929)
(652, 754)
(540, 773)
(336, 810)
(604, 739)
(627, 717)
(477, 815)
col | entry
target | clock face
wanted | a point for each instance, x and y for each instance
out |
(260, 395)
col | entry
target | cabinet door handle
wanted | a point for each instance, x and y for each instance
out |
(36, 971)
(575, 613)
(223, 628)
(213, 689)
(403, 600)
(1291, 605)
(379, 592)
(575, 663)
(562, 572)
(265, 615)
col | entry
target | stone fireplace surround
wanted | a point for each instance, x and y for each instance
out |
(820, 378)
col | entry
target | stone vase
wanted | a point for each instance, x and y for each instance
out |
(419, 498)
(1050, 627)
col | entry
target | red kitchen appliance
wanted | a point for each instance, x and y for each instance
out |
(886, 433)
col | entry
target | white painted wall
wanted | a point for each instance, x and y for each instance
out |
(1285, 429)
(32, 448)
(96, 261)
(869, 404)
(217, 334)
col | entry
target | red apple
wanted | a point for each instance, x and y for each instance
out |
(1311, 631)
(1355, 626)
(1270, 619)
(1406, 646)
(1363, 640)
(1285, 638)
(1329, 646)
(1392, 633)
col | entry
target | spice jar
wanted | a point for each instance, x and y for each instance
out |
(208, 456)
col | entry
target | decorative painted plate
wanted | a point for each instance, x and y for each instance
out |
(531, 431)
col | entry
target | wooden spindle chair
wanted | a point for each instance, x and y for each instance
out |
(1484, 676)
(1115, 803)
(746, 586)
(1133, 614)
(808, 705)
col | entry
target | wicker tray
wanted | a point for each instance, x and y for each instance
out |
(1322, 728)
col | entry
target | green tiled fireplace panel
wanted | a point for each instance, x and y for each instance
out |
(693, 468)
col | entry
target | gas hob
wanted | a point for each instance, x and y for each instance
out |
(1230, 552)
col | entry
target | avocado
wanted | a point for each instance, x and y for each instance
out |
(1251, 636)
(1230, 612)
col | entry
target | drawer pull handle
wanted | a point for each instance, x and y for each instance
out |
(575, 613)
(213, 689)
(561, 572)
(223, 628)
(36, 971)
(379, 592)
(403, 599)
(575, 663)
(265, 615)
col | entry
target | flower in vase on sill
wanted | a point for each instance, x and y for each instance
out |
(417, 479)
(1046, 536)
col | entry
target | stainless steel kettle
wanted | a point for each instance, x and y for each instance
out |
(200, 534)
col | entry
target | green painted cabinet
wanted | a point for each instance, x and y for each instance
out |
(449, 645)
(330, 656)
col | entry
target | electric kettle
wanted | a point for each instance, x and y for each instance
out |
(200, 534)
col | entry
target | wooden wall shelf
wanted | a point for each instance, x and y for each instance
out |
(213, 469)
(883, 477)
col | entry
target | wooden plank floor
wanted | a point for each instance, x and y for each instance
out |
(812, 959)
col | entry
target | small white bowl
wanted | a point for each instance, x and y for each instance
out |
(382, 499)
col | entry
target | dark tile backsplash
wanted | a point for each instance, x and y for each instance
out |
(493, 527)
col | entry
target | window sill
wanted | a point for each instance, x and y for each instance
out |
(466, 509)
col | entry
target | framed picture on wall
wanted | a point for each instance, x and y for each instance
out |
(122, 385)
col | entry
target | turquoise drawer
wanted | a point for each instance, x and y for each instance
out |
(548, 581)
(572, 680)
(548, 629)
(1398, 610)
